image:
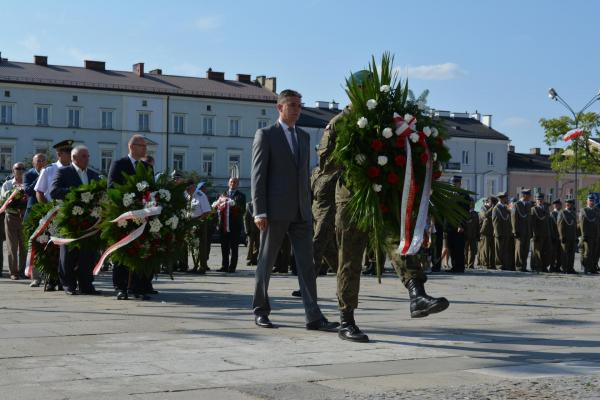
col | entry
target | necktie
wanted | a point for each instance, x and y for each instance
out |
(294, 144)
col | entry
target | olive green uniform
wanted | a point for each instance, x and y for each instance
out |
(540, 228)
(253, 234)
(521, 227)
(471, 238)
(487, 250)
(567, 233)
(350, 240)
(555, 247)
(588, 221)
(323, 181)
(502, 232)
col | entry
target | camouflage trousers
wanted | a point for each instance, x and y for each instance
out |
(351, 246)
(325, 249)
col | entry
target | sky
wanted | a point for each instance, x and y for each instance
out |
(494, 57)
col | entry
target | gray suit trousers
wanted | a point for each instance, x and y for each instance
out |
(300, 234)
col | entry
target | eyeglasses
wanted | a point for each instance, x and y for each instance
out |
(19, 169)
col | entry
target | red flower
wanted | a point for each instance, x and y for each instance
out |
(384, 209)
(147, 196)
(437, 175)
(377, 145)
(400, 160)
(400, 142)
(440, 141)
(373, 172)
(424, 158)
(392, 178)
(422, 139)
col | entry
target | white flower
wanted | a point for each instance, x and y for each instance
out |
(414, 137)
(141, 186)
(421, 105)
(427, 131)
(122, 223)
(77, 210)
(128, 199)
(96, 212)
(434, 156)
(138, 221)
(155, 225)
(387, 133)
(382, 160)
(360, 159)
(86, 197)
(362, 122)
(385, 88)
(376, 187)
(53, 228)
(434, 132)
(371, 104)
(43, 239)
(165, 194)
(172, 222)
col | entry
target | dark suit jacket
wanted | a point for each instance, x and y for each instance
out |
(120, 167)
(236, 212)
(280, 187)
(29, 181)
(66, 178)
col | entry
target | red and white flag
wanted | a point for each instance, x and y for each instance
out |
(573, 134)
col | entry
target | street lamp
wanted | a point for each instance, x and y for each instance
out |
(553, 95)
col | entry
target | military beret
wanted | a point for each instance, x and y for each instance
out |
(64, 145)
(539, 196)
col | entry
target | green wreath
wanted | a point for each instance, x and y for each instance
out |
(46, 255)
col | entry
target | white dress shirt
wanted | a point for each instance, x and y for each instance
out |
(200, 204)
(288, 134)
(82, 174)
(44, 182)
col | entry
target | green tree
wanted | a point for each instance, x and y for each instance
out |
(588, 155)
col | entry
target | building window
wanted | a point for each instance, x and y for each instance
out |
(73, 118)
(570, 194)
(178, 123)
(6, 114)
(550, 195)
(491, 187)
(75, 98)
(6, 157)
(234, 127)
(208, 160)
(262, 123)
(465, 157)
(208, 124)
(178, 161)
(7, 93)
(144, 121)
(41, 113)
(107, 119)
(490, 158)
(106, 158)
(234, 162)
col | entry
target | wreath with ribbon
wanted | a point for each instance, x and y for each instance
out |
(38, 227)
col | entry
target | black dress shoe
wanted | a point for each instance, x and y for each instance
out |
(141, 296)
(70, 292)
(92, 292)
(223, 269)
(122, 295)
(323, 325)
(263, 321)
(51, 288)
(153, 291)
(297, 293)
(351, 332)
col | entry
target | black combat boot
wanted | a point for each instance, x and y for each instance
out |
(421, 304)
(348, 329)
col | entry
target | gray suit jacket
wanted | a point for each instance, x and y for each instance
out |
(280, 188)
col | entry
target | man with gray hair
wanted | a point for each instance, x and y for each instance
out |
(13, 224)
(75, 266)
(29, 181)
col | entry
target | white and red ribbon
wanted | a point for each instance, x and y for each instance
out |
(422, 216)
(573, 134)
(408, 198)
(8, 201)
(143, 213)
(42, 226)
(223, 204)
(404, 125)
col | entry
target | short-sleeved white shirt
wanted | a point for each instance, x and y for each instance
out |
(44, 182)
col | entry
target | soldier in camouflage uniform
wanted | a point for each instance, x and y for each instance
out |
(471, 236)
(567, 232)
(323, 181)
(351, 245)
(502, 232)
(521, 228)
(556, 256)
(588, 221)
(540, 228)
(487, 251)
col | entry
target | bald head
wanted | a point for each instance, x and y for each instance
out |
(137, 147)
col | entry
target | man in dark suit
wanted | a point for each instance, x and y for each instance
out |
(231, 222)
(456, 235)
(66, 178)
(140, 285)
(29, 181)
(281, 197)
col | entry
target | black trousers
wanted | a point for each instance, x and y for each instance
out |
(140, 284)
(75, 268)
(456, 248)
(229, 249)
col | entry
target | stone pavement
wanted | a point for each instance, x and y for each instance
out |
(506, 335)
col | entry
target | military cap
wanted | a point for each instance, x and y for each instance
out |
(570, 201)
(539, 196)
(200, 185)
(501, 194)
(526, 192)
(557, 201)
(456, 178)
(64, 145)
(590, 197)
(176, 174)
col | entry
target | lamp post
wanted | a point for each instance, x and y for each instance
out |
(576, 115)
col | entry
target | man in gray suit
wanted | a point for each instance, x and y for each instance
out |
(281, 197)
